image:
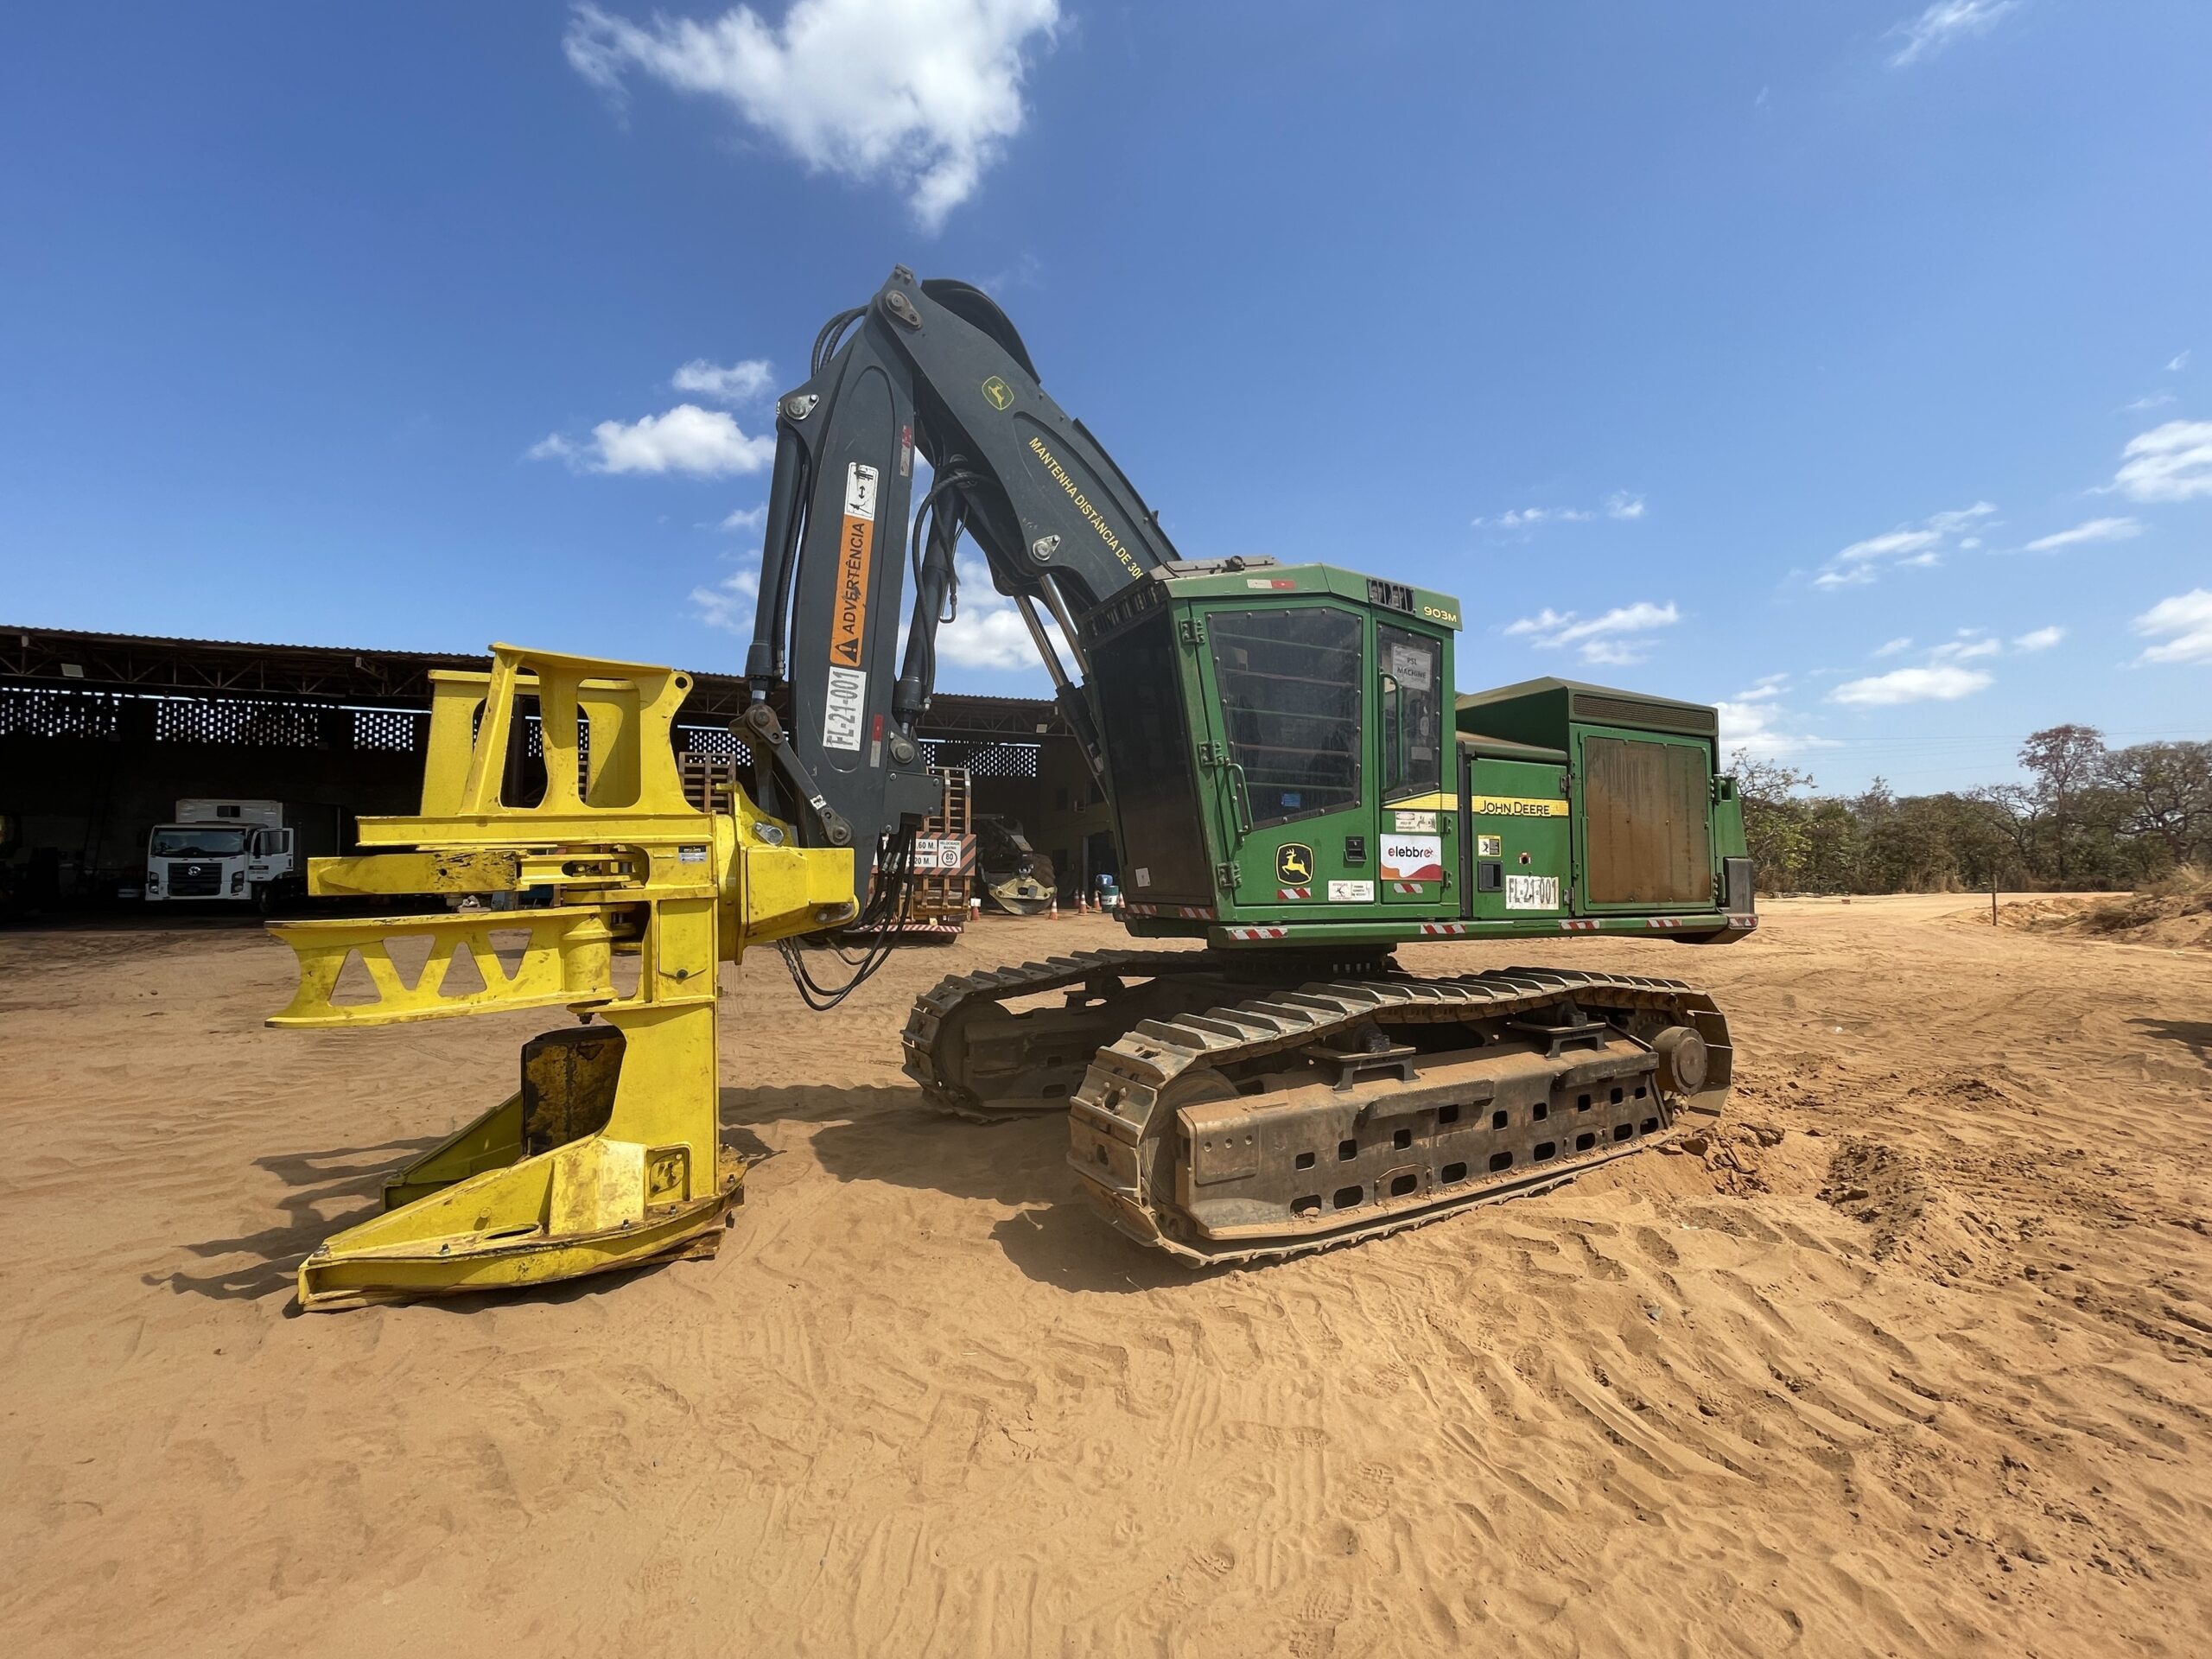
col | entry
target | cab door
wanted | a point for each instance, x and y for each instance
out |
(264, 850)
(1414, 854)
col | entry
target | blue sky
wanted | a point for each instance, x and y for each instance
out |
(1850, 365)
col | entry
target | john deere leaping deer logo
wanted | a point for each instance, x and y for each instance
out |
(1000, 394)
(1294, 864)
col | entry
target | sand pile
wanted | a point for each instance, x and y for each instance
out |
(2175, 911)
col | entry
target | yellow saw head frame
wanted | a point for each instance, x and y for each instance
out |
(609, 1153)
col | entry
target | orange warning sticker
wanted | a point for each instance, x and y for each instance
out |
(848, 625)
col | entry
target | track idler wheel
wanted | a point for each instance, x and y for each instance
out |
(1683, 1060)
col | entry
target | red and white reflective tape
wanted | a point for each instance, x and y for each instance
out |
(1293, 893)
(1571, 925)
(1409, 886)
(1189, 913)
(1440, 929)
(1663, 921)
(1743, 924)
(1259, 933)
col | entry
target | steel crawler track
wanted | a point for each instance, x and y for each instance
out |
(1162, 1057)
(1162, 1099)
(990, 1068)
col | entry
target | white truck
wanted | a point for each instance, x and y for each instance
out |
(241, 852)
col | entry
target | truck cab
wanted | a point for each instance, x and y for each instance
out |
(224, 851)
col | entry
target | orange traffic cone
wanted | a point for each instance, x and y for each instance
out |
(1052, 909)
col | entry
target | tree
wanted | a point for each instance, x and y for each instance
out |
(2165, 792)
(2063, 760)
(1832, 848)
(2087, 814)
(2013, 812)
(1773, 819)
(1981, 837)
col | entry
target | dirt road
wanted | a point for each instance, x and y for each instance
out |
(1914, 1356)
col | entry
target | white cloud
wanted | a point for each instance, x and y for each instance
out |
(1755, 731)
(988, 632)
(1970, 644)
(1529, 517)
(1755, 722)
(1939, 684)
(2186, 621)
(1615, 639)
(703, 442)
(1898, 541)
(2179, 363)
(991, 638)
(728, 604)
(744, 518)
(1960, 517)
(2150, 400)
(1745, 725)
(1613, 653)
(1914, 546)
(2172, 462)
(740, 383)
(1543, 622)
(923, 94)
(2096, 530)
(1620, 504)
(1024, 272)
(1945, 22)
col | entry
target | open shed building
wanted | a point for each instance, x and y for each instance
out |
(102, 734)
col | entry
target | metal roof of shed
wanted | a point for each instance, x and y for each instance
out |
(158, 664)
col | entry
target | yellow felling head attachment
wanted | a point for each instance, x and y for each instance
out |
(608, 1154)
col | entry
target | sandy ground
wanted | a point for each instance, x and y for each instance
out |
(1911, 1358)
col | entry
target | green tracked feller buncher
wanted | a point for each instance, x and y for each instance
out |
(1293, 782)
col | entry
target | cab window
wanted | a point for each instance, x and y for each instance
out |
(1289, 682)
(1413, 721)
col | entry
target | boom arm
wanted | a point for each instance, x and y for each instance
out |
(933, 367)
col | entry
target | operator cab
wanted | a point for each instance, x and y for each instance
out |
(1277, 737)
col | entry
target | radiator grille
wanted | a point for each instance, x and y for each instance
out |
(1651, 716)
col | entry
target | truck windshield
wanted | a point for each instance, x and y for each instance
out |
(197, 841)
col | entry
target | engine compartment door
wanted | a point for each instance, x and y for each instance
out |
(1518, 832)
